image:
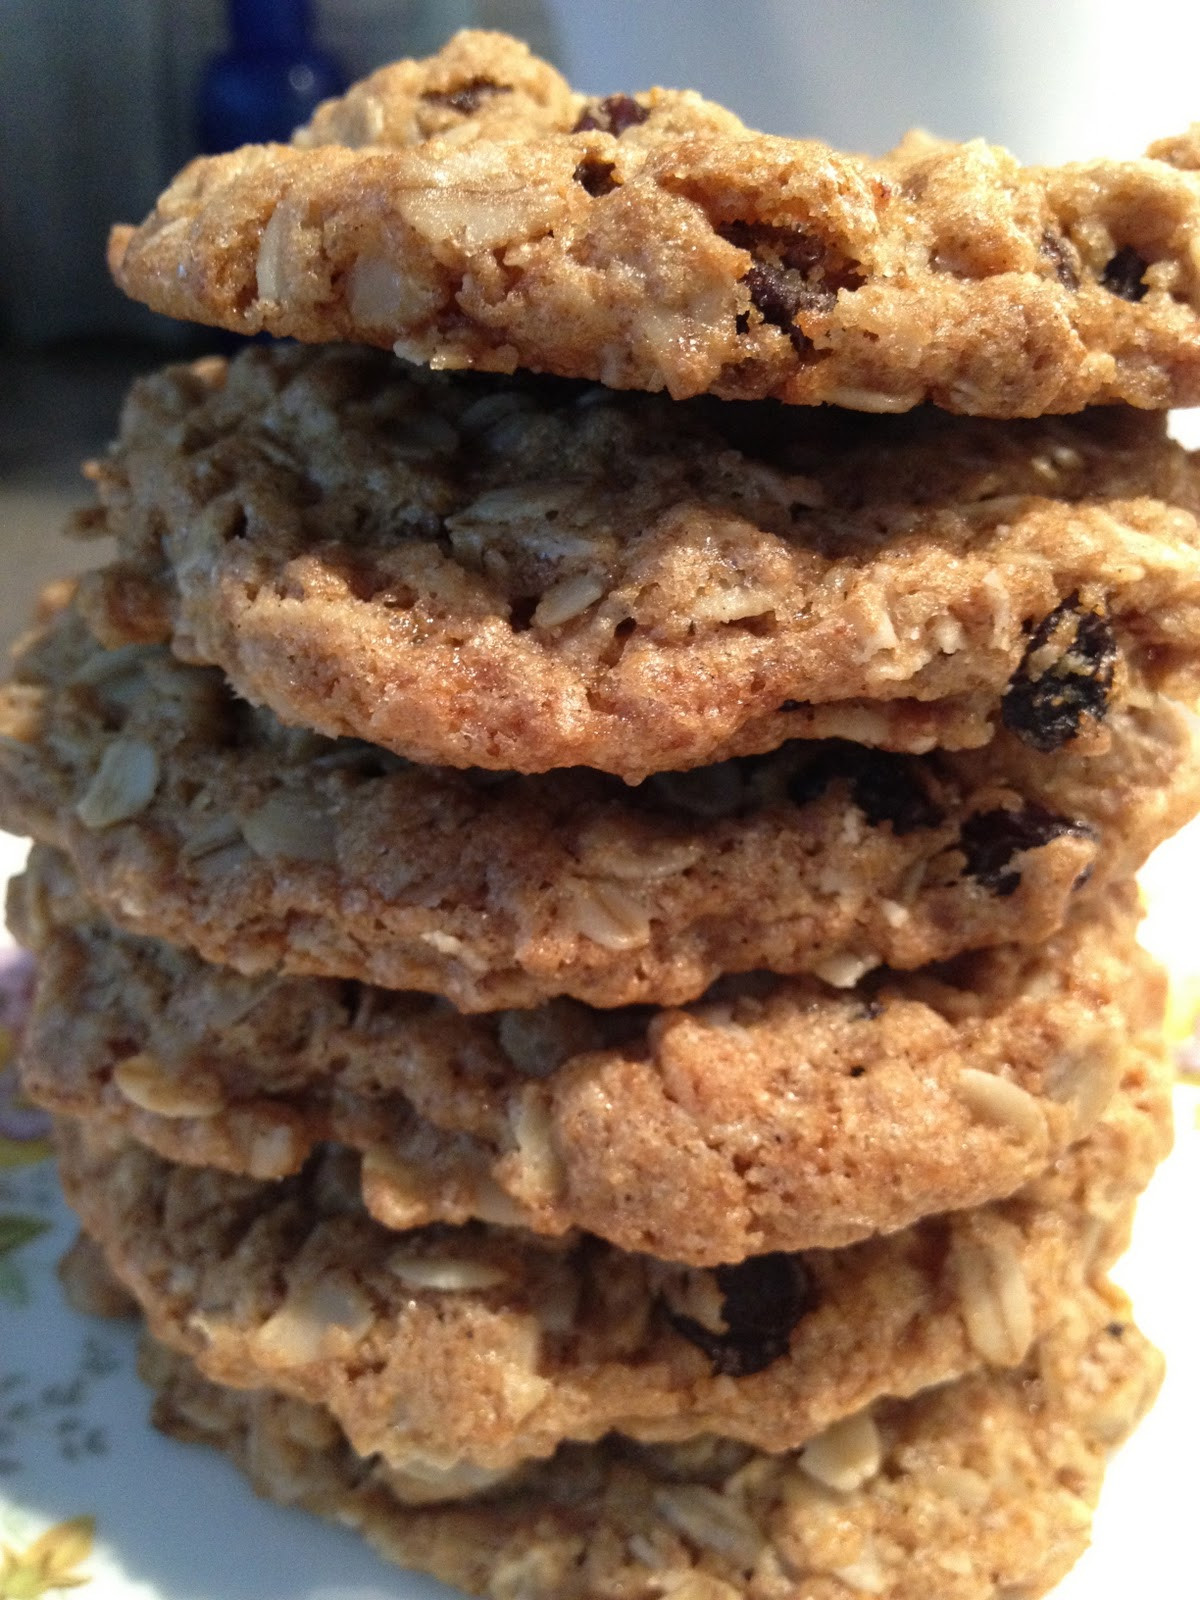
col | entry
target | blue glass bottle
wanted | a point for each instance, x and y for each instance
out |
(269, 81)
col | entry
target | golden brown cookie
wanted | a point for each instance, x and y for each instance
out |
(506, 574)
(771, 1116)
(979, 1488)
(443, 1346)
(195, 819)
(470, 211)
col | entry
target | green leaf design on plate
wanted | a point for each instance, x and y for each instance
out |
(23, 1153)
(14, 1291)
(15, 1231)
(18, 1230)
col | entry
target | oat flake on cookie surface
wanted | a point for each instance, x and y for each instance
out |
(976, 1489)
(471, 211)
(481, 1346)
(772, 1116)
(523, 574)
(195, 818)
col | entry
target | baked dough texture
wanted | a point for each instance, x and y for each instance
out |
(196, 819)
(669, 1141)
(440, 1347)
(773, 1115)
(980, 1487)
(471, 211)
(519, 575)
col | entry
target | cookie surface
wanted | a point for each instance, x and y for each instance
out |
(978, 1488)
(773, 1116)
(655, 242)
(505, 574)
(197, 820)
(443, 1346)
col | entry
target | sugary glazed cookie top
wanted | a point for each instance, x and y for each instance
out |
(472, 211)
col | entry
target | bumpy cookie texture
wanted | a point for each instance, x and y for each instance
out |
(980, 1488)
(772, 1116)
(509, 574)
(471, 212)
(196, 819)
(443, 1346)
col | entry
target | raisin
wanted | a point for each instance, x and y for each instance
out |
(885, 787)
(778, 298)
(613, 115)
(1123, 275)
(792, 272)
(469, 97)
(789, 248)
(1058, 252)
(772, 294)
(764, 1299)
(520, 612)
(1046, 704)
(990, 839)
(595, 176)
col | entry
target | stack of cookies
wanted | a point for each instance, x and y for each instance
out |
(587, 939)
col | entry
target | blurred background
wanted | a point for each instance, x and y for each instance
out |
(102, 100)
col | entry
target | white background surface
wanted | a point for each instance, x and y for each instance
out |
(1054, 80)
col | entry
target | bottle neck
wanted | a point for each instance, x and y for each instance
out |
(270, 24)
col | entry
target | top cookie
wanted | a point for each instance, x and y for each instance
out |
(471, 211)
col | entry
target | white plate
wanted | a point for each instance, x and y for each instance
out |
(173, 1522)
